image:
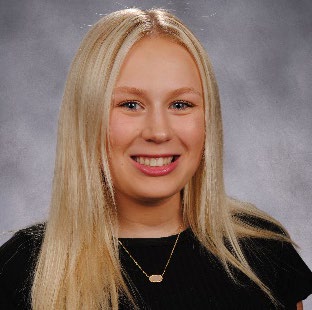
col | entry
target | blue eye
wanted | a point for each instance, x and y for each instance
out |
(130, 105)
(181, 105)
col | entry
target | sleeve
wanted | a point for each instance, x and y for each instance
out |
(294, 281)
(281, 268)
(17, 260)
(278, 264)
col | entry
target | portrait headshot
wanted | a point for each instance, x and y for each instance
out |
(156, 155)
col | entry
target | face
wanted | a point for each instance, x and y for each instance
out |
(157, 121)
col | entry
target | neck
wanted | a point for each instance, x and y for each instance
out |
(149, 219)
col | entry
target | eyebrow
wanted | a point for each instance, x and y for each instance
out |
(174, 93)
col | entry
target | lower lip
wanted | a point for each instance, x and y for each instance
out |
(156, 171)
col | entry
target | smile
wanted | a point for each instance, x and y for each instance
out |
(155, 166)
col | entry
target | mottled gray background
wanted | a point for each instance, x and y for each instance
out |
(261, 51)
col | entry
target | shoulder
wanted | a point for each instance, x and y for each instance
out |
(24, 242)
(274, 259)
(18, 257)
(279, 265)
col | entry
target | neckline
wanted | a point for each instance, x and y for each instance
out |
(155, 241)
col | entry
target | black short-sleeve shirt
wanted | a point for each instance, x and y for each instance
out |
(194, 279)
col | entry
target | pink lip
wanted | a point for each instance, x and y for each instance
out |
(156, 171)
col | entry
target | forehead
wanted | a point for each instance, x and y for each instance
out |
(157, 61)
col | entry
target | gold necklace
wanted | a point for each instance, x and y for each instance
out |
(155, 278)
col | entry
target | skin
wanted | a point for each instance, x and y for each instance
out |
(148, 117)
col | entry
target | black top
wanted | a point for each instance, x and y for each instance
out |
(195, 279)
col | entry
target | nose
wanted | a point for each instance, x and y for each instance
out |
(157, 127)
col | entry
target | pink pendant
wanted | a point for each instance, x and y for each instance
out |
(155, 278)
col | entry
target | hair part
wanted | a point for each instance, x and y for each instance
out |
(78, 266)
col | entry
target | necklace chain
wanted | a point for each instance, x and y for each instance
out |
(154, 277)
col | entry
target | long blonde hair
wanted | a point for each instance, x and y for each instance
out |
(78, 266)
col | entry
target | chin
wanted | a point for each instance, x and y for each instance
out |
(152, 197)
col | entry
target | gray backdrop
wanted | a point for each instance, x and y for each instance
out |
(261, 51)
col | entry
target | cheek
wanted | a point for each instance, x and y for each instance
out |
(192, 133)
(121, 131)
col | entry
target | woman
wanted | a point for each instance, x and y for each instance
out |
(139, 215)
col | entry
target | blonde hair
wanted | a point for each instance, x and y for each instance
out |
(78, 266)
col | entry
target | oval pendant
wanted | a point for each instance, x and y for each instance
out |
(155, 278)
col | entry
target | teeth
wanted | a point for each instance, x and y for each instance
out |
(154, 162)
(159, 162)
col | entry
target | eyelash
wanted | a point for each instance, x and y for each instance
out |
(124, 104)
(186, 104)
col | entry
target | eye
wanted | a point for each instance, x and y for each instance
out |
(181, 105)
(130, 105)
